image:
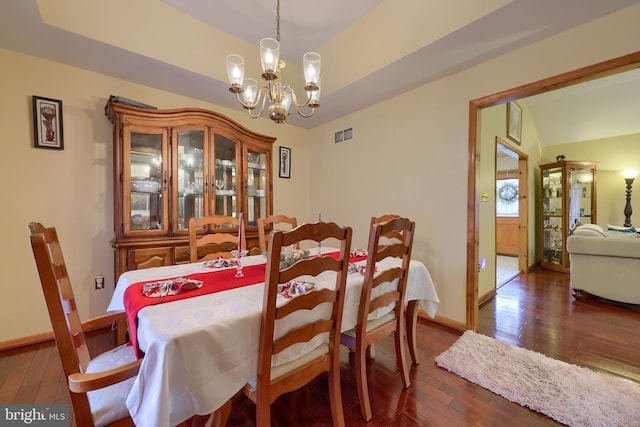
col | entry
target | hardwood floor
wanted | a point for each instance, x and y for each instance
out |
(535, 311)
(540, 314)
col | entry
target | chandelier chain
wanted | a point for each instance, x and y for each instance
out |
(278, 21)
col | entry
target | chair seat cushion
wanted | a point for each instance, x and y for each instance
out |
(280, 370)
(372, 324)
(108, 404)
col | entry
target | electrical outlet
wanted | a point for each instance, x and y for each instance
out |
(99, 281)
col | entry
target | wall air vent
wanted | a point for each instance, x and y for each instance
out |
(343, 135)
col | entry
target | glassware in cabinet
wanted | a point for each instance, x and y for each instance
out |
(567, 199)
(581, 182)
(190, 177)
(225, 201)
(145, 180)
(256, 185)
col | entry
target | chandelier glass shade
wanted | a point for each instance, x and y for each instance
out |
(279, 95)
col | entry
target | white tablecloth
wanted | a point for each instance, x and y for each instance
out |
(200, 351)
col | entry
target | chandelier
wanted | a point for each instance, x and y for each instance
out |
(279, 95)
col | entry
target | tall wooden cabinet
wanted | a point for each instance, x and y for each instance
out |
(171, 165)
(568, 195)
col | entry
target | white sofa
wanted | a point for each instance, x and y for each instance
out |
(605, 263)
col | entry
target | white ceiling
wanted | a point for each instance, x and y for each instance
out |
(599, 109)
(306, 26)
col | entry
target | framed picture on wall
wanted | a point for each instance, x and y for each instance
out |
(47, 123)
(285, 162)
(514, 122)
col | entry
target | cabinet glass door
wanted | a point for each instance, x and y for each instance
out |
(581, 193)
(552, 215)
(225, 201)
(568, 200)
(256, 185)
(189, 179)
(145, 180)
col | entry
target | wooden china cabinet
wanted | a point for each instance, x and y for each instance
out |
(568, 195)
(171, 165)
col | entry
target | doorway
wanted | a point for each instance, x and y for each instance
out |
(511, 213)
(603, 69)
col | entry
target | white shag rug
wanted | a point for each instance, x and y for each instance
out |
(568, 393)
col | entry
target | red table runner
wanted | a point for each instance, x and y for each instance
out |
(212, 281)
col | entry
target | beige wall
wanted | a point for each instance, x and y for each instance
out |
(73, 189)
(409, 155)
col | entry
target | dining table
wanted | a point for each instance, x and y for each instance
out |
(200, 351)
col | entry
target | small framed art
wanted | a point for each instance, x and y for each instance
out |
(514, 122)
(47, 123)
(285, 162)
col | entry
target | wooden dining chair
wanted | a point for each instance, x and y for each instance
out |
(274, 221)
(412, 306)
(108, 376)
(380, 289)
(219, 243)
(322, 324)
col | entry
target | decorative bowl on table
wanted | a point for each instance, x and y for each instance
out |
(291, 256)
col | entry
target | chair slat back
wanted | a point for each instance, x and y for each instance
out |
(224, 241)
(402, 231)
(56, 286)
(274, 221)
(385, 218)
